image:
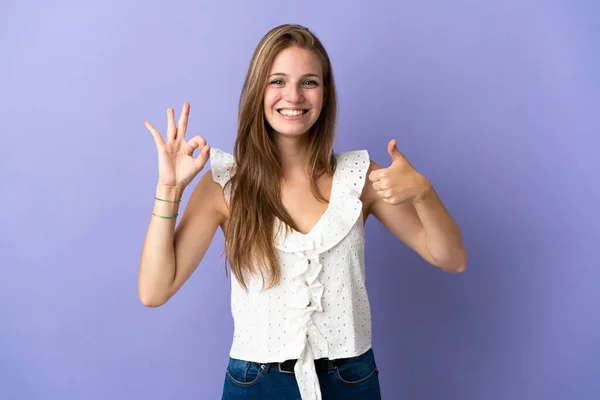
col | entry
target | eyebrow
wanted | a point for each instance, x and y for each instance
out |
(304, 76)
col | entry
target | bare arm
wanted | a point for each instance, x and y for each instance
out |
(443, 235)
(170, 255)
(425, 226)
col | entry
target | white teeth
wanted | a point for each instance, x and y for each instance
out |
(291, 113)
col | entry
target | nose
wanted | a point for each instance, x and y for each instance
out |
(293, 94)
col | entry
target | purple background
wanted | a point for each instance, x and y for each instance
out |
(496, 102)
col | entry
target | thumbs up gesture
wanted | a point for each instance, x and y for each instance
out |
(399, 182)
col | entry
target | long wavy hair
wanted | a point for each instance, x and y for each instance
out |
(255, 201)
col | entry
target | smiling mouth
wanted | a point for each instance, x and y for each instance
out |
(291, 113)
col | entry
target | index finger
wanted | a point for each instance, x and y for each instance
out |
(183, 120)
(158, 139)
(377, 174)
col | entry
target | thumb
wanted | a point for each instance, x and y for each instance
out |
(393, 150)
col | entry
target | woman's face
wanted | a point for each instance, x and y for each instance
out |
(294, 93)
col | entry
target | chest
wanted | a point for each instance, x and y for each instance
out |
(303, 206)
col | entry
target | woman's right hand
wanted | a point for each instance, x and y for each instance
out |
(177, 166)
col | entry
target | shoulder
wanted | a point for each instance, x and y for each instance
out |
(351, 171)
(374, 166)
(222, 165)
(353, 156)
(212, 191)
(354, 160)
(369, 194)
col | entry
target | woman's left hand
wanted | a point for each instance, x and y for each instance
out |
(400, 182)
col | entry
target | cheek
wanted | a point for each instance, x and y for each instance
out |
(317, 98)
(270, 98)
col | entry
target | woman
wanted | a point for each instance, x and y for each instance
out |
(292, 213)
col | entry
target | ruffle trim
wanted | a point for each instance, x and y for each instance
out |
(306, 292)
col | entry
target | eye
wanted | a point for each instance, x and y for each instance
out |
(310, 83)
(277, 82)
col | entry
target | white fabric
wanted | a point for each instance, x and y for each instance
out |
(320, 308)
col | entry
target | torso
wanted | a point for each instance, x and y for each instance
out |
(320, 302)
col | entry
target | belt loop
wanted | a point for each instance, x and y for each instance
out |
(329, 366)
(246, 368)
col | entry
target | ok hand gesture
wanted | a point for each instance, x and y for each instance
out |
(177, 166)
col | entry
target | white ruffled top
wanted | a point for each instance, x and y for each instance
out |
(320, 308)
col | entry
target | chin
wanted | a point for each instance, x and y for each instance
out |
(291, 130)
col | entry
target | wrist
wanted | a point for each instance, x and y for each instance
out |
(169, 193)
(426, 190)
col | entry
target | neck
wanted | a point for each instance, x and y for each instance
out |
(293, 151)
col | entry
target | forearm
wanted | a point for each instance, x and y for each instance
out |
(158, 263)
(444, 238)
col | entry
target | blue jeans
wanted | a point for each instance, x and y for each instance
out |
(357, 378)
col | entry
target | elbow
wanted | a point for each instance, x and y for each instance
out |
(461, 265)
(454, 269)
(151, 300)
(459, 269)
(457, 265)
(151, 304)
